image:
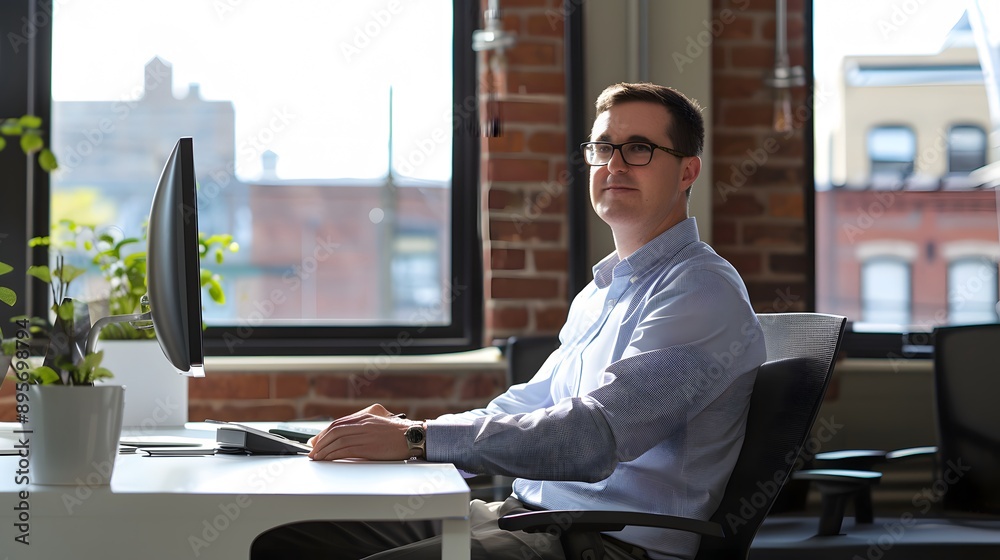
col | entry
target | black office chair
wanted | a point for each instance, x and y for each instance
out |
(801, 348)
(958, 514)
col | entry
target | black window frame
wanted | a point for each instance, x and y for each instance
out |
(24, 212)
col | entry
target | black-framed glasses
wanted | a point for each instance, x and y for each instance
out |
(634, 153)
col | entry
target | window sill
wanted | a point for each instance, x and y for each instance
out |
(484, 359)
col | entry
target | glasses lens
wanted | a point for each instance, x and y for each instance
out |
(637, 153)
(597, 153)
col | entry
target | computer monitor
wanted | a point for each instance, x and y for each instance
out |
(173, 267)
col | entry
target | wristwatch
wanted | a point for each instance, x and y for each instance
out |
(416, 439)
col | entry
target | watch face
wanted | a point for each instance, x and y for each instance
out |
(414, 434)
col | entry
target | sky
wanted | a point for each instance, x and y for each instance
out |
(307, 60)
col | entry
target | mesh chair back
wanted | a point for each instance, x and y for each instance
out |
(967, 382)
(788, 391)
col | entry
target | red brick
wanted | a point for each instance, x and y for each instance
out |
(739, 205)
(248, 412)
(745, 263)
(334, 385)
(498, 199)
(734, 144)
(723, 232)
(546, 259)
(549, 24)
(741, 27)
(547, 143)
(288, 385)
(509, 141)
(405, 386)
(524, 288)
(325, 410)
(518, 170)
(794, 29)
(431, 411)
(526, 83)
(8, 413)
(740, 87)
(483, 385)
(778, 297)
(533, 53)
(507, 259)
(524, 228)
(747, 115)
(548, 201)
(230, 386)
(787, 205)
(753, 56)
(551, 319)
(789, 264)
(509, 317)
(773, 234)
(531, 112)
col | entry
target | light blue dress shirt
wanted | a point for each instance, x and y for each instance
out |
(642, 407)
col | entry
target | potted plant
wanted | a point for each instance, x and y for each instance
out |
(157, 395)
(76, 431)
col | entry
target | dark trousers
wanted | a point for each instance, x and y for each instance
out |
(412, 540)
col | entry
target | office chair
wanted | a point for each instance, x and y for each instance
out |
(787, 393)
(966, 380)
(958, 515)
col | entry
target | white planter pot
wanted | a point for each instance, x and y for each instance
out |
(74, 433)
(157, 395)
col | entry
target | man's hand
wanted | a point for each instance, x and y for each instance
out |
(370, 433)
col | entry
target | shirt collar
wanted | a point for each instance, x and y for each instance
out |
(661, 248)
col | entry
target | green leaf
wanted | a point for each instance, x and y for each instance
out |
(5, 268)
(65, 310)
(45, 375)
(219, 256)
(8, 296)
(100, 373)
(31, 143)
(47, 160)
(36, 241)
(68, 273)
(3, 142)
(215, 291)
(11, 128)
(41, 272)
(30, 121)
(92, 360)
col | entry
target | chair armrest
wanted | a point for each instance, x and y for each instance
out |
(911, 452)
(835, 487)
(600, 521)
(852, 459)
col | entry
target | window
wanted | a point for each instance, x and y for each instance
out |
(903, 112)
(892, 150)
(885, 292)
(972, 291)
(966, 148)
(321, 148)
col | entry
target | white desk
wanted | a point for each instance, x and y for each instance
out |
(214, 506)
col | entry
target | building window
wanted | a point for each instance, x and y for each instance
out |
(885, 291)
(966, 148)
(972, 291)
(892, 150)
(314, 147)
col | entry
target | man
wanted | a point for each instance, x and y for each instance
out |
(644, 404)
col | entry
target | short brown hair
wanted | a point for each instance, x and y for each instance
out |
(687, 131)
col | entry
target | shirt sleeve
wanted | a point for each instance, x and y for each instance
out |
(693, 339)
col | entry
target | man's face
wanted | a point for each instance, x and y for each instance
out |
(640, 202)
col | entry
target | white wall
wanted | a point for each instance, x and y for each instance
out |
(610, 50)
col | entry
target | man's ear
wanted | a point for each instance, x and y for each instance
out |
(690, 171)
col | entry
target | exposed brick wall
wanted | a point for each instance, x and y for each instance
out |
(523, 183)
(758, 205)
